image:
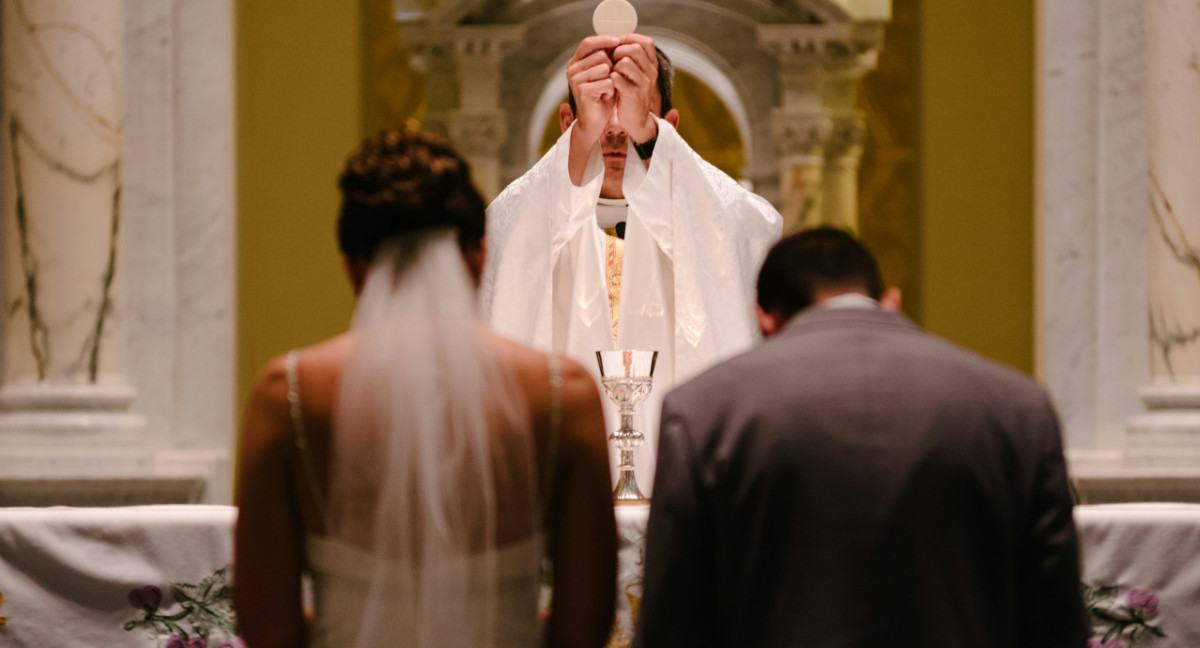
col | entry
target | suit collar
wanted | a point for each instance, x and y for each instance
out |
(823, 318)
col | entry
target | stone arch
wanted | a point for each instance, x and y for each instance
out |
(684, 56)
(787, 71)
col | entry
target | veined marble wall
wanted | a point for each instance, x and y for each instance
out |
(118, 200)
(1174, 154)
(1119, 280)
(64, 129)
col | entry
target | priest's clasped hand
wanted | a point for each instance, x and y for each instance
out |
(613, 81)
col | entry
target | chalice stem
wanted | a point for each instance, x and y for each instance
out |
(627, 490)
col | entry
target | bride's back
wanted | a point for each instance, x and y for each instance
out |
(420, 467)
(318, 374)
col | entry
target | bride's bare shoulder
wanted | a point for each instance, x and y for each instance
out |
(317, 366)
(532, 369)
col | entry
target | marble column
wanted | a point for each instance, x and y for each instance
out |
(800, 135)
(1169, 433)
(64, 366)
(1092, 216)
(846, 61)
(431, 52)
(800, 125)
(843, 152)
(478, 127)
(119, 270)
(816, 127)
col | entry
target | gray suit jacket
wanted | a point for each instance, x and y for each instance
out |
(855, 482)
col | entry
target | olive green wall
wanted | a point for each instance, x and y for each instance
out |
(976, 175)
(299, 113)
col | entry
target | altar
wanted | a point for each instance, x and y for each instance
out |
(161, 575)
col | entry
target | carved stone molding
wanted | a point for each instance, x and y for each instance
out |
(831, 42)
(800, 131)
(490, 42)
(478, 134)
(846, 137)
(427, 45)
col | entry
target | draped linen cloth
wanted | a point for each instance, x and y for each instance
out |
(144, 576)
(1140, 572)
(694, 241)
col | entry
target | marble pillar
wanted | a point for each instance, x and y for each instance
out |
(846, 62)
(1169, 433)
(1092, 216)
(816, 127)
(1118, 225)
(431, 53)
(800, 136)
(124, 147)
(478, 127)
(64, 116)
(800, 124)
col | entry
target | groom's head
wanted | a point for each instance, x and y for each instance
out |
(808, 267)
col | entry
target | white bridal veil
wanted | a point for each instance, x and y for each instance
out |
(431, 447)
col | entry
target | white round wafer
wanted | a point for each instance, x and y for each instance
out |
(614, 18)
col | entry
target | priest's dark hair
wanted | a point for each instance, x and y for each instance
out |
(815, 260)
(665, 83)
(402, 181)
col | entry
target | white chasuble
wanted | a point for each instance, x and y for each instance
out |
(694, 241)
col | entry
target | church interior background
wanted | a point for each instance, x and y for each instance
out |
(1022, 169)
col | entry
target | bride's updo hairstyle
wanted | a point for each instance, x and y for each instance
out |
(406, 181)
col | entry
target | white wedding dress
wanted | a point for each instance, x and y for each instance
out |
(342, 576)
(431, 443)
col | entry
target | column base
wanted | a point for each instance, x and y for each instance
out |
(1166, 439)
(1160, 461)
(81, 445)
(132, 475)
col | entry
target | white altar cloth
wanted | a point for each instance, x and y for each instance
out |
(1141, 568)
(146, 576)
(136, 576)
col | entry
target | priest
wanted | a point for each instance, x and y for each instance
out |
(621, 236)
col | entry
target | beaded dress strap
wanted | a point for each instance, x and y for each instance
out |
(299, 434)
(556, 419)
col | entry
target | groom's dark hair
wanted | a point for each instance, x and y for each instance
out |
(814, 260)
(403, 181)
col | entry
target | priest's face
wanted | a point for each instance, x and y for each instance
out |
(614, 146)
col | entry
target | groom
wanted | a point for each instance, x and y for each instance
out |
(855, 482)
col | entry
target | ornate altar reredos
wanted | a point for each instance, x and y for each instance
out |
(787, 71)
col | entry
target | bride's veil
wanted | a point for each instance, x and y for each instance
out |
(431, 442)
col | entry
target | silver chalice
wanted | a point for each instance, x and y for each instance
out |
(627, 376)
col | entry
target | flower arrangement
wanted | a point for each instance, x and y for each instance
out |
(199, 615)
(1121, 622)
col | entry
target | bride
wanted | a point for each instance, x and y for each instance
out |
(419, 468)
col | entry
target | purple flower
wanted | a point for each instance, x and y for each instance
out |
(197, 642)
(235, 642)
(1144, 601)
(175, 641)
(148, 596)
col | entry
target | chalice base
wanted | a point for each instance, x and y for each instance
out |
(627, 491)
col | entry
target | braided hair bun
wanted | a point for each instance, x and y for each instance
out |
(404, 181)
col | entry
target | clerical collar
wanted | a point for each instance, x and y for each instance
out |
(849, 300)
(610, 211)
